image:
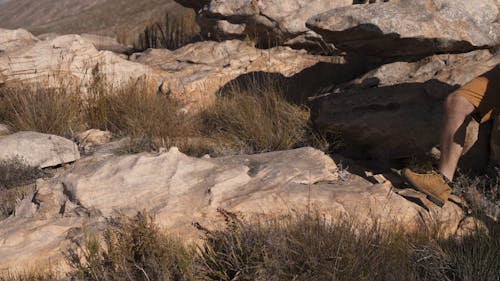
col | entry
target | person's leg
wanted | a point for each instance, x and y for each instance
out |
(456, 109)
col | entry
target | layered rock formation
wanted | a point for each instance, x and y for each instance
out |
(193, 74)
(411, 28)
(13, 39)
(179, 190)
(66, 61)
(268, 22)
(398, 105)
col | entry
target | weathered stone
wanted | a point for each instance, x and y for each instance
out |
(14, 39)
(38, 150)
(89, 139)
(268, 22)
(179, 190)
(106, 43)
(67, 61)
(4, 130)
(411, 27)
(193, 74)
(398, 105)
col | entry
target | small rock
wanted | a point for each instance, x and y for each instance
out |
(468, 227)
(89, 139)
(38, 150)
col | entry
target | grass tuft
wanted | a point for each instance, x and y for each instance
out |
(310, 248)
(170, 32)
(16, 179)
(52, 111)
(132, 249)
(256, 119)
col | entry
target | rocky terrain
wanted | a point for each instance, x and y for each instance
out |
(376, 74)
(88, 16)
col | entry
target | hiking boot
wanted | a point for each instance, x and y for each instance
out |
(433, 185)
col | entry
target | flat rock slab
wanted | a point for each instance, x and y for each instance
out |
(411, 27)
(180, 190)
(38, 150)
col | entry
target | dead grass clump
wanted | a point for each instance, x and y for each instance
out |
(309, 248)
(133, 249)
(250, 119)
(170, 32)
(482, 193)
(15, 183)
(30, 276)
(256, 120)
(52, 111)
(14, 172)
(150, 120)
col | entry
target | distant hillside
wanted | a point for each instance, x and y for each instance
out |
(124, 19)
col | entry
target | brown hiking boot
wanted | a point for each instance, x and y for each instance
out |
(433, 185)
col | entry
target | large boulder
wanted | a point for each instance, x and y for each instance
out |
(37, 149)
(194, 73)
(411, 27)
(268, 22)
(66, 61)
(179, 190)
(394, 111)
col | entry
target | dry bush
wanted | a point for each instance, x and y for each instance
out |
(33, 108)
(309, 248)
(133, 249)
(256, 119)
(151, 120)
(243, 120)
(170, 32)
(30, 276)
(15, 183)
(293, 248)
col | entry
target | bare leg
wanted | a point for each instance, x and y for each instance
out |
(456, 110)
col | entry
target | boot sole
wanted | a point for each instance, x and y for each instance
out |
(430, 196)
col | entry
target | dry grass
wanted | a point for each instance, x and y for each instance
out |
(151, 120)
(243, 120)
(298, 248)
(16, 179)
(30, 276)
(133, 249)
(53, 111)
(309, 248)
(256, 119)
(170, 32)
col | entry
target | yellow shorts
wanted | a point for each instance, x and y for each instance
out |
(484, 93)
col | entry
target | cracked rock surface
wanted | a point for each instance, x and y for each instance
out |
(269, 22)
(411, 27)
(179, 190)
